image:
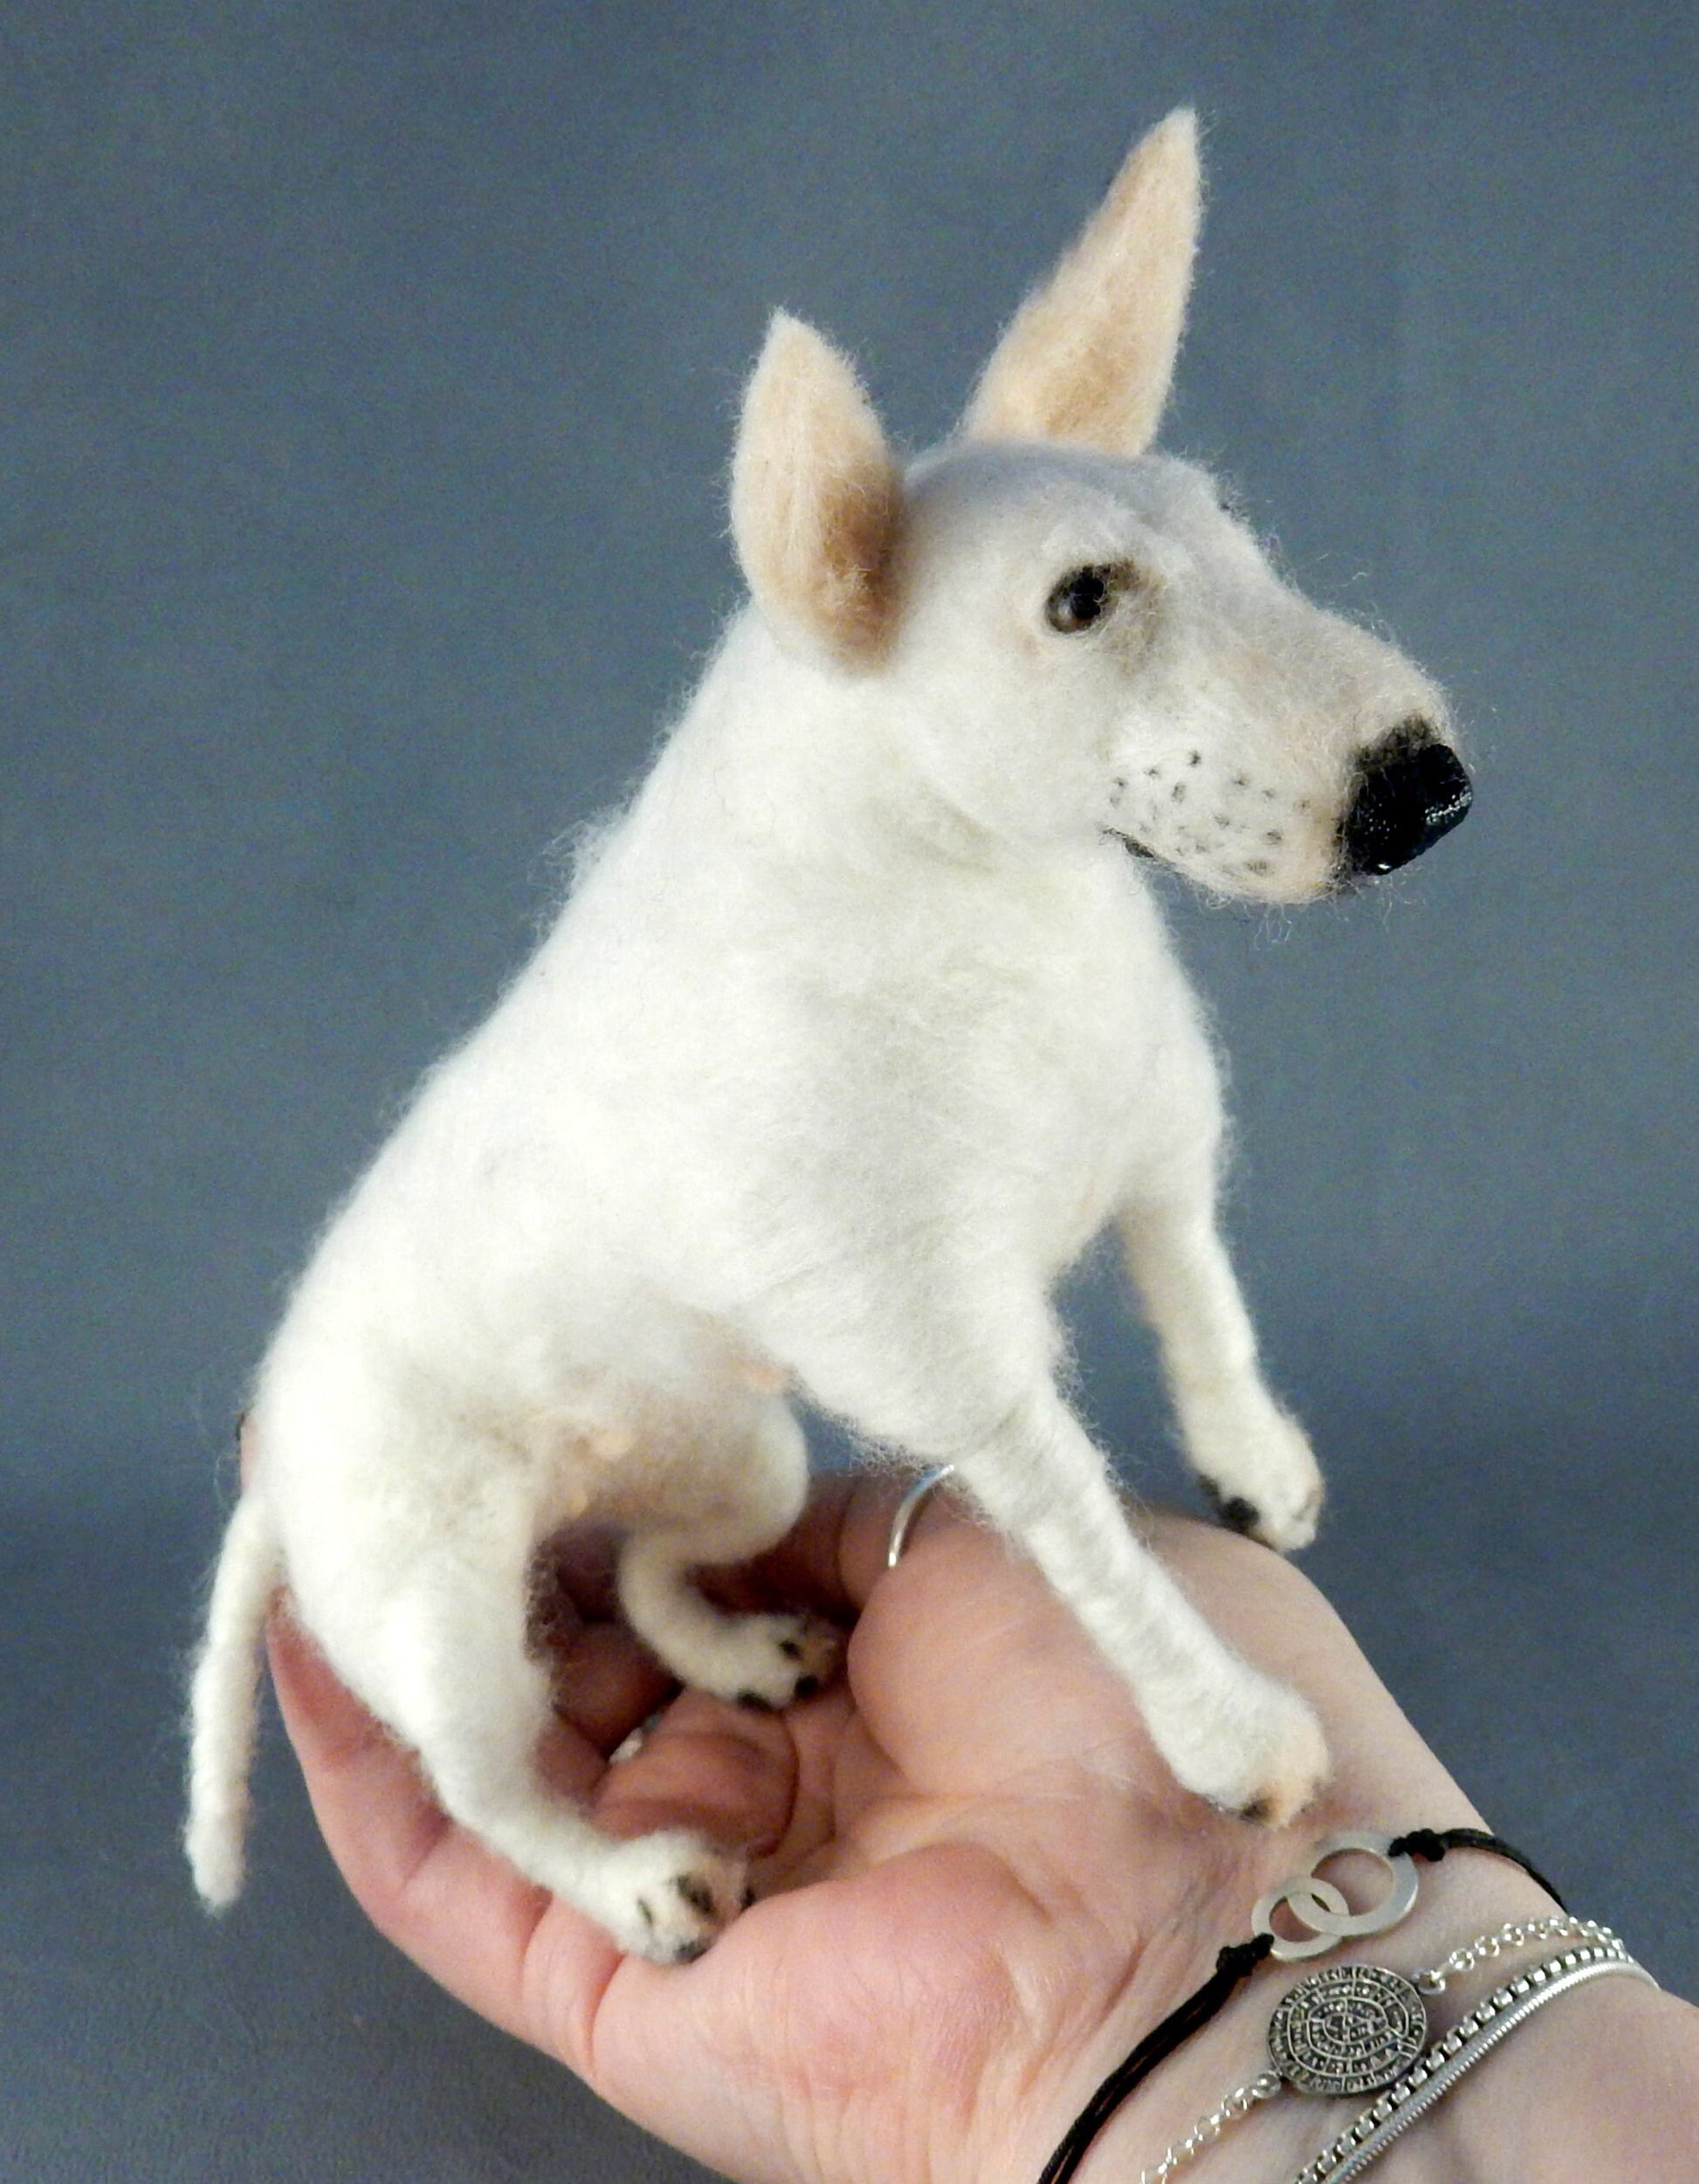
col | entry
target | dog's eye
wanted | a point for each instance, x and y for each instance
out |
(1081, 599)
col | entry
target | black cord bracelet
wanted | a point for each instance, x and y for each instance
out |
(1234, 1965)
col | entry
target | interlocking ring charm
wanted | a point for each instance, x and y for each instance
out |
(1349, 2030)
(1322, 1907)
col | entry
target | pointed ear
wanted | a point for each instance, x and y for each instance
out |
(1089, 356)
(815, 497)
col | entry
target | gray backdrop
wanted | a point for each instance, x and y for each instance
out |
(366, 380)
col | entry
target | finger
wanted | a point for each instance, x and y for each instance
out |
(822, 1733)
(836, 1552)
(605, 1682)
(704, 1764)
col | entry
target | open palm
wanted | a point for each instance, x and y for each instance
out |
(977, 1885)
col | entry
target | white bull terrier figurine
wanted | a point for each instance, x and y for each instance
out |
(859, 1025)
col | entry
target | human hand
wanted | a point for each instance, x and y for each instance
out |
(977, 1885)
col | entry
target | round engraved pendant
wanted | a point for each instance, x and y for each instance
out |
(1350, 2030)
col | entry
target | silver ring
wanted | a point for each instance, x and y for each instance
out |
(910, 1507)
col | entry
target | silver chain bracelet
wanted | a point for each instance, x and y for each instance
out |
(1352, 2030)
(1461, 2050)
(1360, 2028)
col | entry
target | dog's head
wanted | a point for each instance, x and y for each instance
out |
(1071, 635)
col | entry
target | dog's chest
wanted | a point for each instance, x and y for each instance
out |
(1022, 1040)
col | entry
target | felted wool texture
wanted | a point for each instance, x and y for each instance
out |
(859, 1024)
(1077, 364)
(815, 495)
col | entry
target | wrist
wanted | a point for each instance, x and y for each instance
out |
(1466, 1895)
(1603, 2084)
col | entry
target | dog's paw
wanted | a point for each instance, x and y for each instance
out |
(1286, 1530)
(1261, 1755)
(1289, 1764)
(768, 1660)
(755, 1661)
(760, 1660)
(669, 1897)
(1255, 1463)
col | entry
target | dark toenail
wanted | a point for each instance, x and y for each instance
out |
(644, 1913)
(806, 1686)
(687, 1951)
(752, 1702)
(1237, 1514)
(1257, 1811)
(697, 1894)
(791, 1648)
(748, 1896)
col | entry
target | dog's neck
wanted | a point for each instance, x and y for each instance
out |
(812, 766)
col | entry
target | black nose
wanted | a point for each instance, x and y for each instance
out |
(1411, 788)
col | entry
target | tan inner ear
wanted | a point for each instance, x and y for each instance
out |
(815, 498)
(1089, 357)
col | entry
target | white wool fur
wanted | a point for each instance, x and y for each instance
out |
(858, 1026)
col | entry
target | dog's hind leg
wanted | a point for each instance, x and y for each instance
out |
(1253, 1458)
(455, 1680)
(763, 1660)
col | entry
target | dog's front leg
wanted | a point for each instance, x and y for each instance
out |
(950, 1358)
(1229, 1732)
(1253, 1458)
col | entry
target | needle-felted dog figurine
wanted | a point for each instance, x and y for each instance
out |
(858, 1026)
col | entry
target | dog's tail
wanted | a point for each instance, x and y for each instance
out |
(223, 1702)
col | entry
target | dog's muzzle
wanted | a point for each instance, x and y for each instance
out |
(1410, 789)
